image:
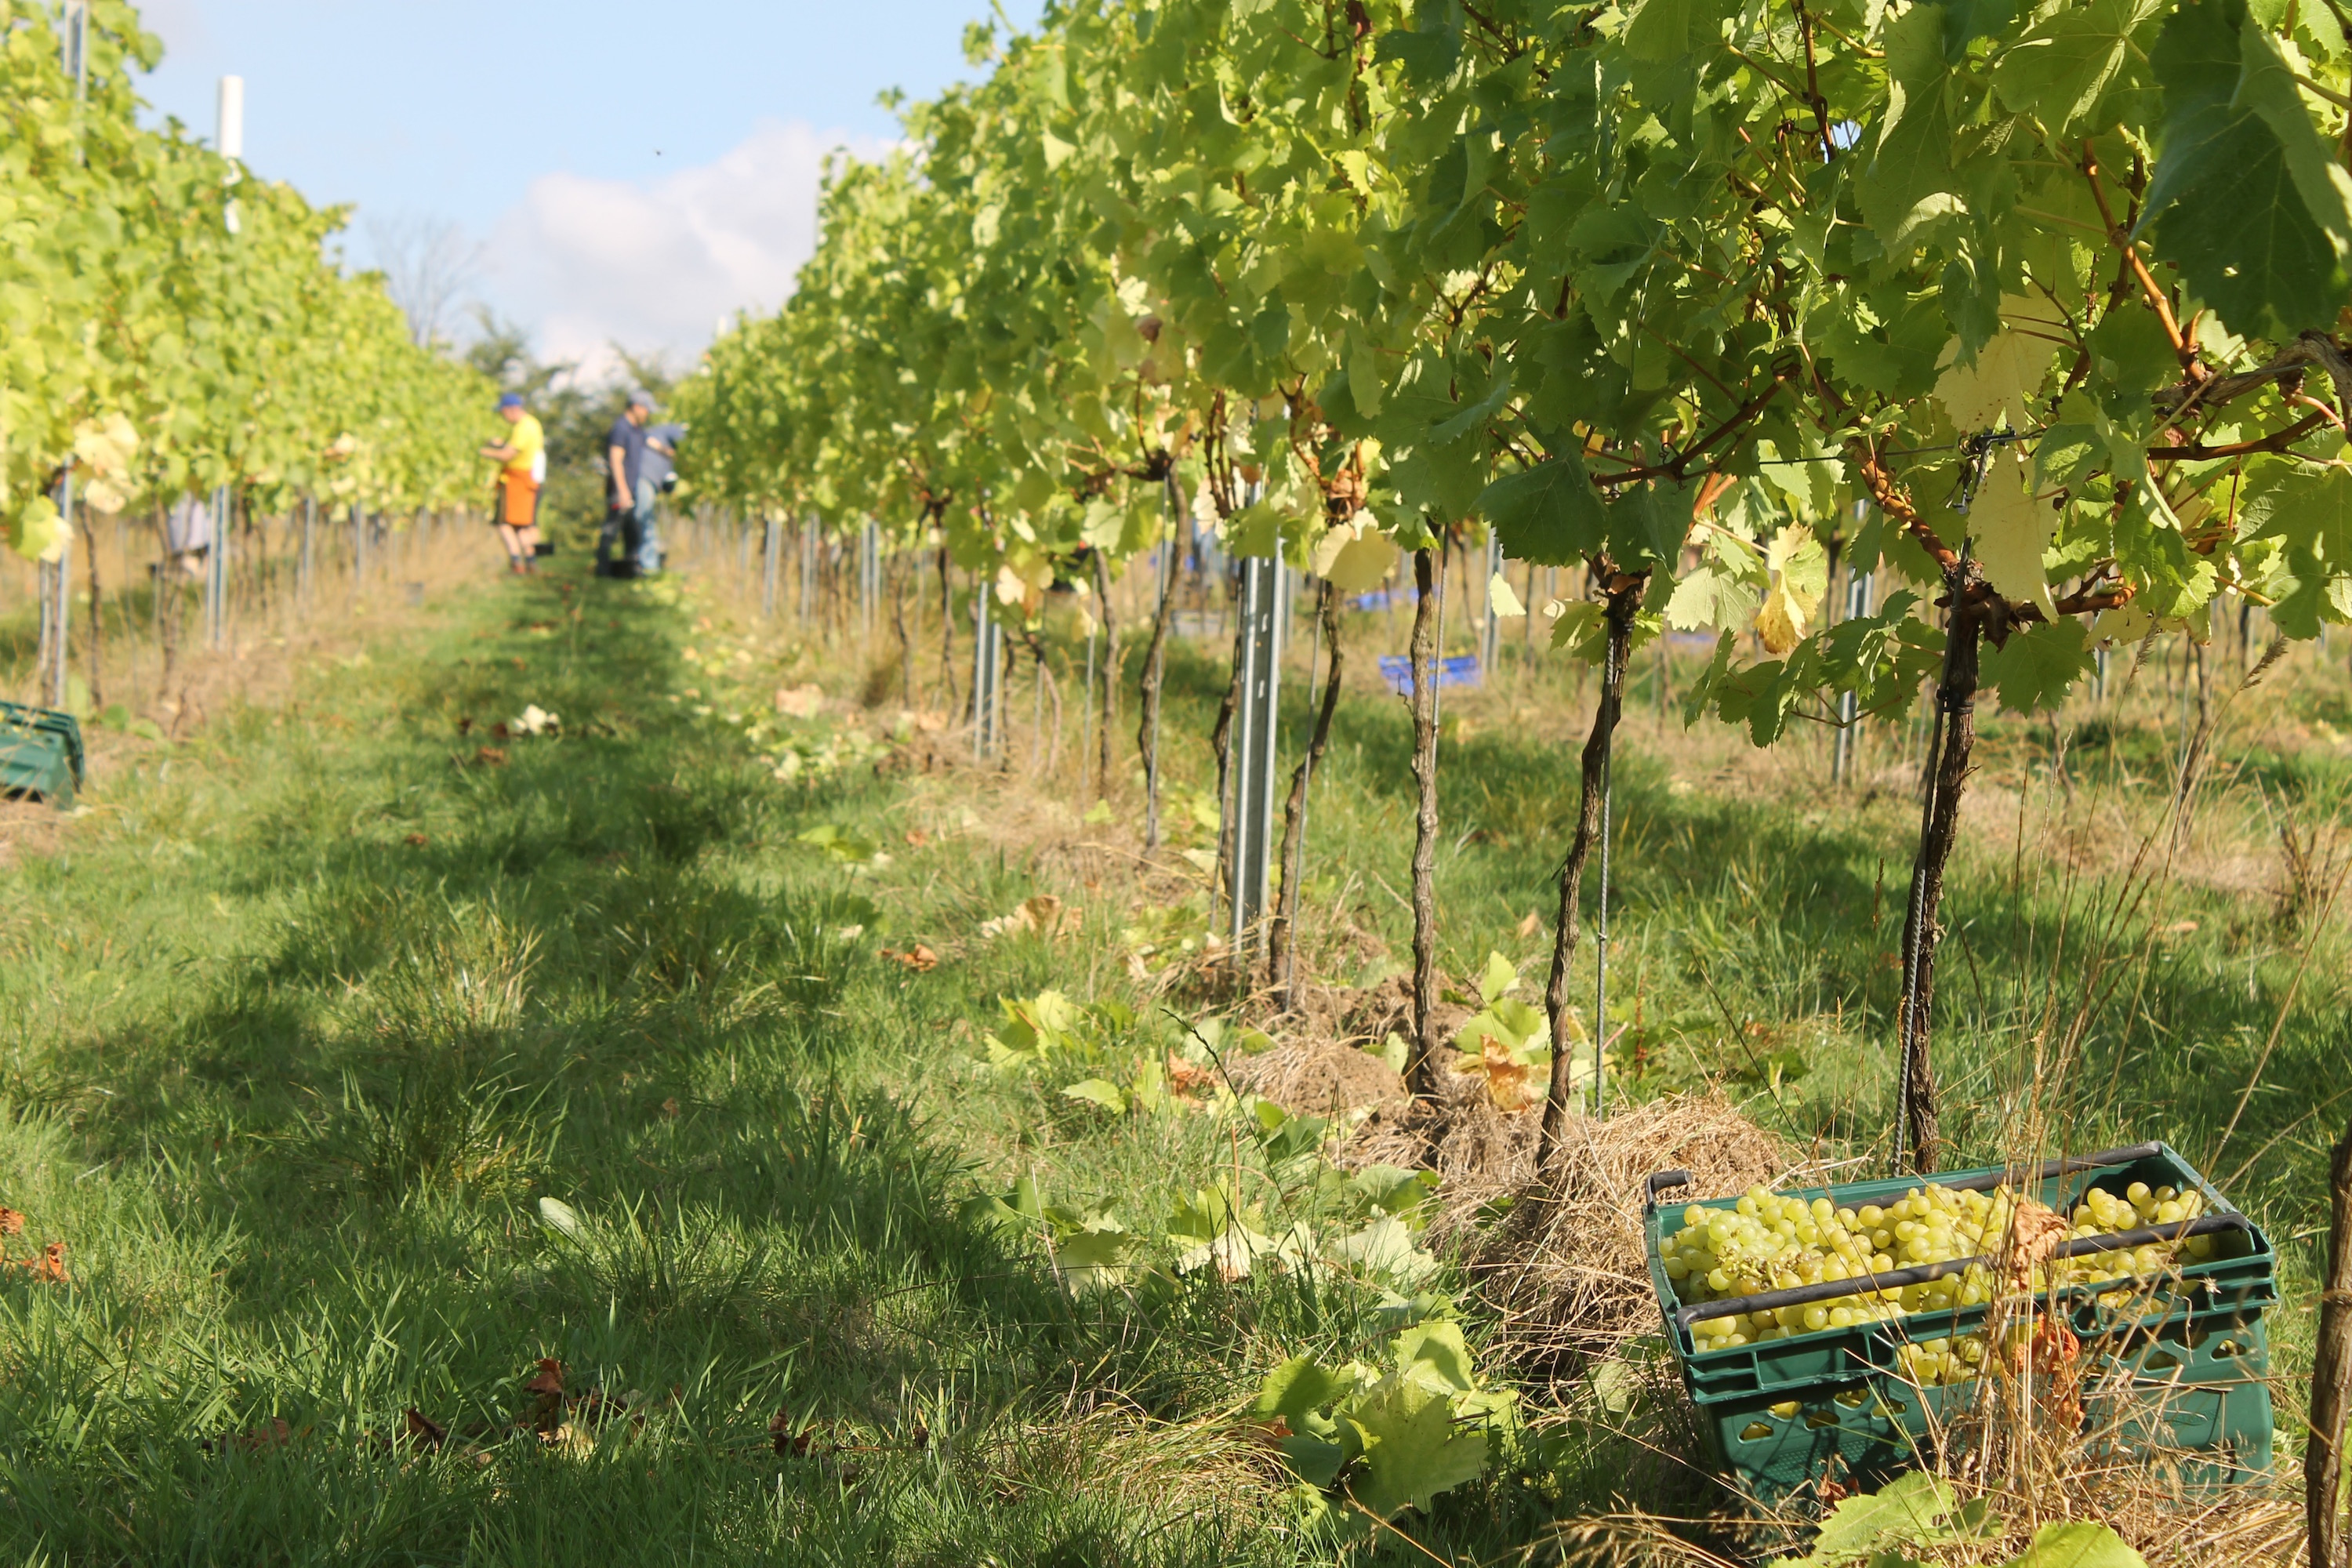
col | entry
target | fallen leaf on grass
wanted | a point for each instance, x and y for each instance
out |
(490, 756)
(417, 841)
(423, 1431)
(800, 701)
(916, 838)
(1186, 1078)
(919, 958)
(1507, 1079)
(49, 1266)
(549, 1384)
(11, 1222)
(275, 1433)
(1532, 924)
(466, 724)
(1045, 915)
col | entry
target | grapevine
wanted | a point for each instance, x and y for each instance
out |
(163, 351)
(2037, 315)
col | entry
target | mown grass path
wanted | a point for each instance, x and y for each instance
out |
(302, 1025)
(294, 1036)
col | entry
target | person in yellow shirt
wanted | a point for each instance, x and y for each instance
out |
(522, 471)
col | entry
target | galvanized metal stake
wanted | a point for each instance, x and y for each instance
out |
(216, 574)
(987, 648)
(56, 581)
(306, 563)
(869, 576)
(1490, 636)
(772, 549)
(808, 569)
(1086, 714)
(1857, 605)
(1264, 581)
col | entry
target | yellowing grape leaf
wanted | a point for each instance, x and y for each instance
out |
(1101, 1091)
(2008, 530)
(2123, 625)
(1501, 602)
(1355, 559)
(1799, 571)
(1499, 977)
(2008, 371)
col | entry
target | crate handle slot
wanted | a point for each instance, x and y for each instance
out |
(1659, 1181)
(1920, 1274)
(2050, 1169)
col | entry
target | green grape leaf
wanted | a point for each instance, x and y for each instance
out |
(1497, 979)
(1412, 1452)
(2135, 354)
(1094, 1258)
(2067, 454)
(2009, 530)
(1910, 182)
(1100, 1092)
(1724, 591)
(2310, 508)
(1664, 30)
(2078, 1543)
(1384, 1248)
(2063, 64)
(1436, 1356)
(1299, 1387)
(1912, 1506)
(2033, 669)
(2245, 195)
(1549, 514)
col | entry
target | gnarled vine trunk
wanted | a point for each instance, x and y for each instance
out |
(1422, 1073)
(1951, 747)
(1293, 809)
(1110, 667)
(947, 634)
(2331, 1372)
(1622, 604)
(1147, 727)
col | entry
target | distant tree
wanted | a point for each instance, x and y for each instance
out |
(426, 264)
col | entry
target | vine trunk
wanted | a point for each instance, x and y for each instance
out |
(1621, 606)
(1423, 1074)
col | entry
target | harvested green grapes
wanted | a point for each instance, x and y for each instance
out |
(1770, 1241)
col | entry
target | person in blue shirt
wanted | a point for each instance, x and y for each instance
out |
(629, 495)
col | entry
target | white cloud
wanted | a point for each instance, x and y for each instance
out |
(588, 262)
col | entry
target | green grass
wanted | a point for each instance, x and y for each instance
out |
(299, 1027)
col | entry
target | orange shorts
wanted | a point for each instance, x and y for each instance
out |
(517, 500)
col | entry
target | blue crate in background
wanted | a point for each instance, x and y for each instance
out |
(1396, 669)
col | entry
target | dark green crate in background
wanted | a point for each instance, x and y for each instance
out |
(40, 753)
(2186, 1375)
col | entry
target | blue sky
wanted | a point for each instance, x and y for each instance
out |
(631, 171)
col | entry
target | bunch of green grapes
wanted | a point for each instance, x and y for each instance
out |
(1771, 1242)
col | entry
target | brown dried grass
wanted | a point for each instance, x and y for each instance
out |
(1566, 1270)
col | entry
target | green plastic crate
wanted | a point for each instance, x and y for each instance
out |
(40, 753)
(2184, 1375)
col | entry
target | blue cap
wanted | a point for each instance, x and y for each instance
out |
(510, 400)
